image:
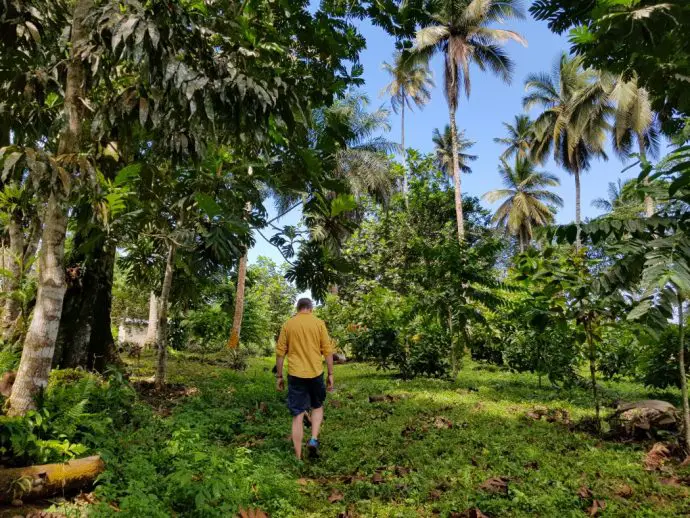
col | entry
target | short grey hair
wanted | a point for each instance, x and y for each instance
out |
(304, 303)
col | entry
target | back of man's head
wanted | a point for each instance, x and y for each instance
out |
(305, 304)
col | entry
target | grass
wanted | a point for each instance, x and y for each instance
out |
(225, 445)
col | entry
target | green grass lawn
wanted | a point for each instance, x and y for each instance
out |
(225, 445)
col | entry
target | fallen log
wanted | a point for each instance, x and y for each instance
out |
(48, 480)
(643, 419)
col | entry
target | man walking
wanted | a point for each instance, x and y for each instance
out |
(304, 340)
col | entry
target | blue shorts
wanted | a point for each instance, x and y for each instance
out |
(305, 394)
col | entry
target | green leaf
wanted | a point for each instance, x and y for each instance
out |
(33, 30)
(207, 204)
(127, 174)
(343, 203)
(154, 35)
(10, 162)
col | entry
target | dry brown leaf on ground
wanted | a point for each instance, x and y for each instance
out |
(624, 491)
(401, 471)
(469, 513)
(597, 507)
(656, 457)
(435, 494)
(252, 513)
(302, 481)
(584, 492)
(350, 513)
(495, 485)
(336, 496)
(442, 423)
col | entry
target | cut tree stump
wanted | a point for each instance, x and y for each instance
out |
(48, 480)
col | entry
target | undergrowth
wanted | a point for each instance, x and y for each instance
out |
(222, 445)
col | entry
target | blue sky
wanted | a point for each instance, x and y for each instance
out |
(491, 103)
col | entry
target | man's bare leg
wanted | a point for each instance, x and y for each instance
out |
(316, 420)
(298, 434)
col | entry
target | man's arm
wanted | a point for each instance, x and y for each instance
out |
(281, 351)
(327, 351)
(331, 380)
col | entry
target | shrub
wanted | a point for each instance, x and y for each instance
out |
(658, 362)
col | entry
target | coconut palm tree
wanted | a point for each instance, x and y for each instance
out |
(443, 147)
(461, 31)
(574, 121)
(622, 201)
(528, 201)
(411, 83)
(520, 137)
(635, 123)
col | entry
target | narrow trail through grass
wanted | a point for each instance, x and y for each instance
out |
(225, 444)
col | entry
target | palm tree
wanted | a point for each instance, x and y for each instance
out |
(528, 202)
(574, 123)
(621, 199)
(461, 32)
(410, 86)
(635, 122)
(520, 137)
(443, 147)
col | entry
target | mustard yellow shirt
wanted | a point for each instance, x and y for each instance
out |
(304, 339)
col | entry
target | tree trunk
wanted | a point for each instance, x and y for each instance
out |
(456, 175)
(15, 265)
(649, 204)
(239, 303)
(39, 345)
(683, 377)
(162, 341)
(102, 350)
(152, 330)
(593, 371)
(50, 480)
(578, 220)
(453, 348)
(404, 153)
(85, 338)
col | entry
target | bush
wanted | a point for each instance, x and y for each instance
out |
(383, 327)
(427, 353)
(658, 362)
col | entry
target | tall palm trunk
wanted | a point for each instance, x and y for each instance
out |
(15, 267)
(683, 377)
(239, 303)
(152, 330)
(456, 173)
(162, 342)
(404, 153)
(39, 344)
(578, 208)
(649, 204)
